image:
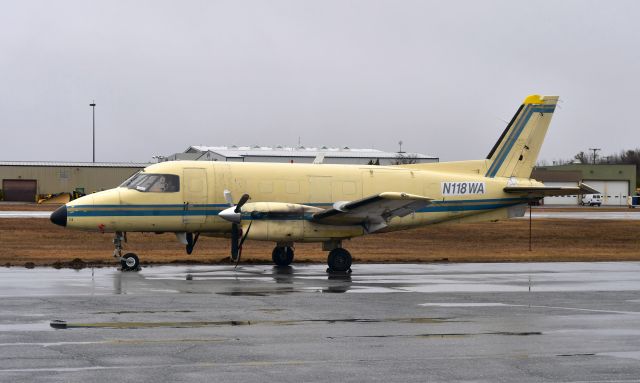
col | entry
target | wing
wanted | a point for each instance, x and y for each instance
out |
(372, 212)
(547, 191)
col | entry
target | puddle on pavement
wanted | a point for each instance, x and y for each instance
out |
(38, 326)
(142, 312)
(269, 311)
(622, 354)
(465, 304)
(141, 325)
(442, 335)
(256, 293)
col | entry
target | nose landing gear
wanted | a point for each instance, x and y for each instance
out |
(129, 261)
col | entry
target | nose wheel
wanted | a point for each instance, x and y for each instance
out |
(129, 261)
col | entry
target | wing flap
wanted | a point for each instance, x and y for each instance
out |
(374, 211)
(549, 191)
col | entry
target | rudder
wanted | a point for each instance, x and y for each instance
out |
(517, 149)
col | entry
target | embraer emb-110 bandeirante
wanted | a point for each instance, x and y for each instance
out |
(289, 203)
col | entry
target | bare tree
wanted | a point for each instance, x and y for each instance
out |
(582, 157)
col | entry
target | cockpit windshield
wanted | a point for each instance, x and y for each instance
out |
(153, 183)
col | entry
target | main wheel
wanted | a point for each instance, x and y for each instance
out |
(130, 262)
(282, 255)
(339, 260)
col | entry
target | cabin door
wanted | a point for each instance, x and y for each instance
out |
(194, 193)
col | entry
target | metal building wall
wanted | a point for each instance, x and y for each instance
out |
(57, 179)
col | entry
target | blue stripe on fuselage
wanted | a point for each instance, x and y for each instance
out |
(160, 211)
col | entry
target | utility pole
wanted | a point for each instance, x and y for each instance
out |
(594, 154)
(93, 107)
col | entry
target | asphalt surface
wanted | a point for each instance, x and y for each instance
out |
(542, 322)
(623, 214)
(25, 214)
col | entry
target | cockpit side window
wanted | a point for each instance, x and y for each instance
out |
(128, 181)
(153, 183)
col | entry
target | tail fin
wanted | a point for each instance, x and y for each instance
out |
(517, 149)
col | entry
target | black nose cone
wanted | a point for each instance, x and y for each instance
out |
(59, 217)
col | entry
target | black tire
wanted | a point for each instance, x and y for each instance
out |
(282, 255)
(339, 260)
(130, 262)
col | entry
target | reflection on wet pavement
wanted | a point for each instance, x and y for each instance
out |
(262, 280)
(560, 322)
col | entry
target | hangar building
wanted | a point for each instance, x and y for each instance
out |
(615, 182)
(298, 154)
(24, 181)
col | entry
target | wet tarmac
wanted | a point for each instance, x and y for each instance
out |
(623, 214)
(525, 322)
(25, 214)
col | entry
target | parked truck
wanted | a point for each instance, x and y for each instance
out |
(591, 200)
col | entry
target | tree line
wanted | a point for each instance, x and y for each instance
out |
(624, 157)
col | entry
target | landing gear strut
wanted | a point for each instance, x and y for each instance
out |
(191, 242)
(339, 260)
(282, 255)
(129, 261)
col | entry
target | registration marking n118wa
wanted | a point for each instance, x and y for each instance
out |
(463, 188)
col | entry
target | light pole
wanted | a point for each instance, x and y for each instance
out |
(93, 107)
(595, 151)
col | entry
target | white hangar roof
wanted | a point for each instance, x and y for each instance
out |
(280, 151)
(76, 164)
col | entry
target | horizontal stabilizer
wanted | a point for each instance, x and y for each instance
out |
(549, 191)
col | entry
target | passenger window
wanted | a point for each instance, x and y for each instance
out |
(292, 187)
(265, 186)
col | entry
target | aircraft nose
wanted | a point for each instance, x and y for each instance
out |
(59, 216)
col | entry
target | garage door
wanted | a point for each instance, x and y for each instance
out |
(564, 200)
(20, 190)
(614, 193)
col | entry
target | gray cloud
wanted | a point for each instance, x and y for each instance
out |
(441, 76)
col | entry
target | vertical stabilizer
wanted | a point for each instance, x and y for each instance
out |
(516, 152)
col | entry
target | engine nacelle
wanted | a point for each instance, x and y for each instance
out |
(286, 222)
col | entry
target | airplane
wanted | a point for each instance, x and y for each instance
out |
(289, 203)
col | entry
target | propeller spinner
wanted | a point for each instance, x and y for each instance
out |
(233, 214)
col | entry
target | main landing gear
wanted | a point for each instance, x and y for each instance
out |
(282, 255)
(339, 261)
(129, 261)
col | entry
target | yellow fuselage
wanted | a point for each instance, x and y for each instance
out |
(195, 207)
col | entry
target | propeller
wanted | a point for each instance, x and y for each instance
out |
(233, 214)
(241, 242)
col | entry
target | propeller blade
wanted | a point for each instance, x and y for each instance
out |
(235, 238)
(228, 197)
(241, 242)
(243, 200)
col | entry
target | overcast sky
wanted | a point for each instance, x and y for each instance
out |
(442, 76)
